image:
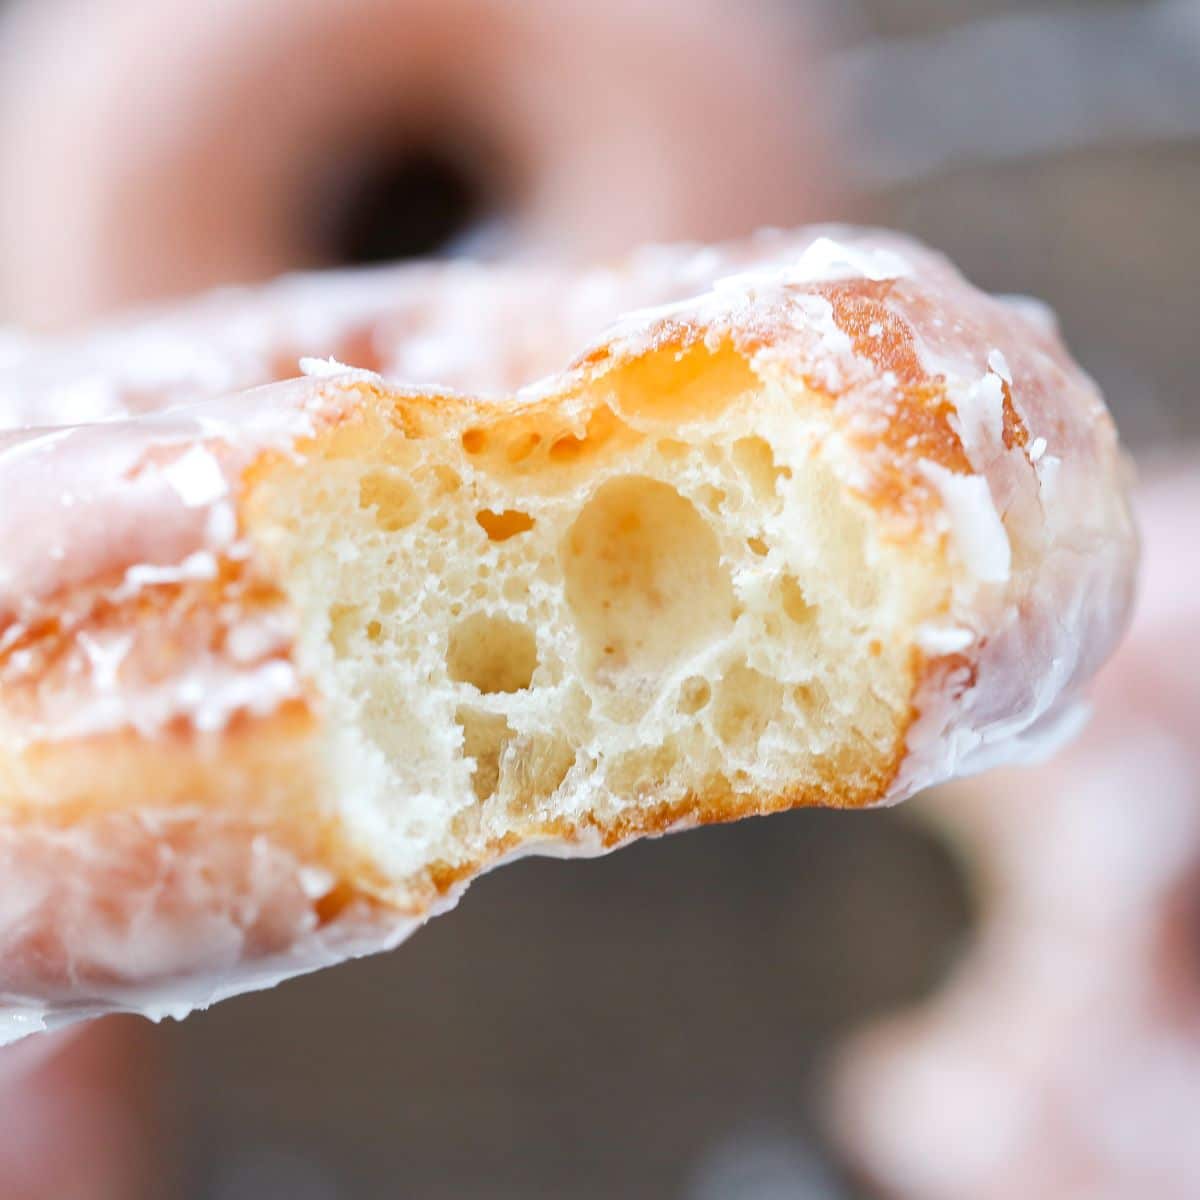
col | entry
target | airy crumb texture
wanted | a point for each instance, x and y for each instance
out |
(282, 670)
(651, 604)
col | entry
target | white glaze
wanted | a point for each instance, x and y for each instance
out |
(1041, 542)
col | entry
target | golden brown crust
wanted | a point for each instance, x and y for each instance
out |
(719, 804)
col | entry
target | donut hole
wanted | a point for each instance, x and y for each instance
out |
(534, 769)
(500, 526)
(567, 448)
(643, 578)
(755, 460)
(475, 441)
(410, 201)
(571, 447)
(675, 385)
(747, 702)
(391, 499)
(795, 603)
(345, 620)
(514, 770)
(485, 735)
(441, 480)
(522, 446)
(492, 653)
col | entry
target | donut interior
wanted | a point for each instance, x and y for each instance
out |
(645, 603)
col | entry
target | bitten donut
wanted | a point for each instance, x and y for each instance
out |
(1070, 1034)
(242, 146)
(280, 672)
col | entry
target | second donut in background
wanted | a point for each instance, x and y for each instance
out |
(153, 149)
(1062, 1059)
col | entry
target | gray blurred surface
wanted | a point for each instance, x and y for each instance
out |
(1053, 150)
(1108, 239)
(645, 1025)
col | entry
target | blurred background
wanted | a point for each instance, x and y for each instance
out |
(685, 1018)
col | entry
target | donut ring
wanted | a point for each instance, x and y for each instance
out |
(1073, 1025)
(281, 672)
(254, 120)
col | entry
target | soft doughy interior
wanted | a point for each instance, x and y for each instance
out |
(648, 602)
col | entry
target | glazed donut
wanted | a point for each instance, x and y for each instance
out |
(460, 324)
(548, 127)
(1070, 1035)
(281, 672)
